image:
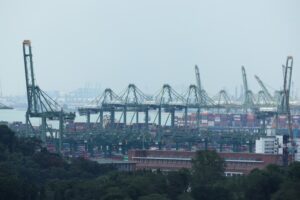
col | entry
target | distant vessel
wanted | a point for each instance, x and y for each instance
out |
(2, 106)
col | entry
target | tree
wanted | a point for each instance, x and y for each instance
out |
(207, 173)
(262, 184)
(177, 183)
(153, 197)
(294, 171)
(207, 167)
(185, 196)
(289, 189)
(258, 186)
(28, 146)
(7, 138)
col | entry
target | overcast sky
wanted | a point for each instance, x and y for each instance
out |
(148, 43)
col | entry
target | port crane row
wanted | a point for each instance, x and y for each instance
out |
(167, 100)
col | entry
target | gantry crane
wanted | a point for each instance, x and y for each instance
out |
(268, 96)
(200, 99)
(169, 100)
(205, 100)
(108, 101)
(285, 108)
(266, 103)
(134, 100)
(248, 95)
(224, 102)
(40, 105)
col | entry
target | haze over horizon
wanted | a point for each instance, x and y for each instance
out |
(148, 43)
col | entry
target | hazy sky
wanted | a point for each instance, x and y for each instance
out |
(149, 43)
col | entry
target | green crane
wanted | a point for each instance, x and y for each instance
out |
(40, 105)
(285, 108)
(269, 98)
(248, 95)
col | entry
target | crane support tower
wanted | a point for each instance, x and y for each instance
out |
(40, 105)
(285, 109)
(204, 100)
(200, 99)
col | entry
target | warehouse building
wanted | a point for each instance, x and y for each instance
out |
(236, 163)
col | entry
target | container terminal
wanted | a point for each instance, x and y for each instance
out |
(260, 122)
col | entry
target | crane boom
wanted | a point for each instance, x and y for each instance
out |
(248, 95)
(266, 91)
(198, 81)
(245, 80)
(285, 106)
(288, 74)
(204, 99)
(29, 77)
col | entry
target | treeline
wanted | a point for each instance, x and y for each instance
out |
(28, 171)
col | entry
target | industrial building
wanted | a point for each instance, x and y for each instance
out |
(297, 154)
(120, 165)
(269, 145)
(236, 163)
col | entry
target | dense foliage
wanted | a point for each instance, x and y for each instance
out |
(27, 171)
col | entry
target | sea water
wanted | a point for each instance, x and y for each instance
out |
(18, 115)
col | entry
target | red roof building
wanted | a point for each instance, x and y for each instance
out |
(236, 163)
